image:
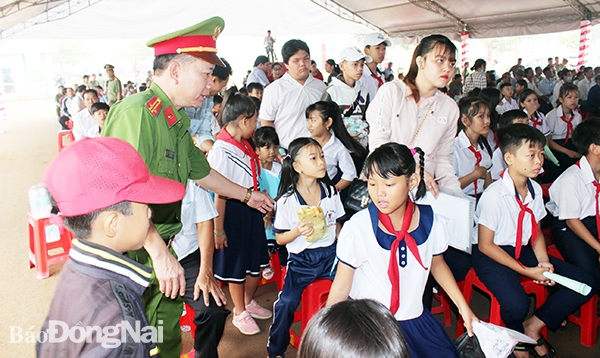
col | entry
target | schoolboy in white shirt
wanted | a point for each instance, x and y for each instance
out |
(574, 202)
(508, 215)
(507, 102)
(194, 246)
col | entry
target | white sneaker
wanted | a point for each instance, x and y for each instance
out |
(257, 311)
(245, 323)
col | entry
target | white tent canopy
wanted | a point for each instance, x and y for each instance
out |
(407, 19)
(146, 19)
(483, 19)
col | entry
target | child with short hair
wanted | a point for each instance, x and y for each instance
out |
(349, 93)
(520, 85)
(507, 102)
(239, 230)
(355, 328)
(311, 243)
(387, 251)
(562, 121)
(255, 89)
(506, 119)
(104, 203)
(99, 112)
(574, 202)
(510, 243)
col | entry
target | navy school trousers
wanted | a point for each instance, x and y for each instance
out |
(302, 269)
(576, 251)
(504, 283)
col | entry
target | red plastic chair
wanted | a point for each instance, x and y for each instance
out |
(587, 320)
(61, 138)
(472, 281)
(187, 319)
(42, 253)
(445, 304)
(277, 272)
(314, 298)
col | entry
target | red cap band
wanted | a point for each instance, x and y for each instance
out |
(186, 44)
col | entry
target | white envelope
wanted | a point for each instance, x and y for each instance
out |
(496, 341)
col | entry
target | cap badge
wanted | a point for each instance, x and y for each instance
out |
(216, 33)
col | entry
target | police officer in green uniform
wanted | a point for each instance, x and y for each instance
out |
(113, 86)
(154, 122)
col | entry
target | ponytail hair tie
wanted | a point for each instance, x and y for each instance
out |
(413, 151)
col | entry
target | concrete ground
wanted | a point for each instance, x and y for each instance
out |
(27, 145)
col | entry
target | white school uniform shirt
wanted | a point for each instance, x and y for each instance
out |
(336, 155)
(573, 195)
(370, 83)
(498, 164)
(584, 88)
(506, 106)
(258, 76)
(231, 162)
(394, 116)
(284, 102)
(76, 104)
(556, 93)
(84, 125)
(543, 127)
(557, 127)
(498, 210)
(532, 86)
(286, 217)
(197, 206)
(464, 161)
(358, 248)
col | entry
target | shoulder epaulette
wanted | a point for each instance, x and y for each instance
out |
(154, 105)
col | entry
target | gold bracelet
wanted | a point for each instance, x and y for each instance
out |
(219, 234)
(248, 195)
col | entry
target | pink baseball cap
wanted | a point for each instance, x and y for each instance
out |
(94, 173)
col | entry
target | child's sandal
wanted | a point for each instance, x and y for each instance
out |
(551, 351)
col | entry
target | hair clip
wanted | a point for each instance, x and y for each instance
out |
(286, 156)
(412, 151)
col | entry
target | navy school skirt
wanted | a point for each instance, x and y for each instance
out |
(427, 338)
(246, 252)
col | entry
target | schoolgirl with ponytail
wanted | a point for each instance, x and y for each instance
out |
(304, 188)
(387, 251)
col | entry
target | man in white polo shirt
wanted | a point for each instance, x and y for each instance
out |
(285, 100)
(84, 125)
(375, 47)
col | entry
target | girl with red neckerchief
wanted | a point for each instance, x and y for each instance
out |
(387, 251)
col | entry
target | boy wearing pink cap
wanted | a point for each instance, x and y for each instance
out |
(97, 307)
